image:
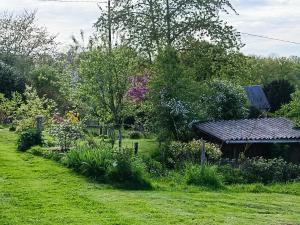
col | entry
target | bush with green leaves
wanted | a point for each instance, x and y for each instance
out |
(292, 109)
(128, 170)
(21, 111)
(279, 93)
(46, 153)
(135, 135)
(90, 161)
(260, 170)
(223, 100)
(176, 154)
(11, 81)
(29, 138)
(108, 165)
(66, 133)
(231, 175)
(206, 176)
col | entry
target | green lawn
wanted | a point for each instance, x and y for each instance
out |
(38, 191)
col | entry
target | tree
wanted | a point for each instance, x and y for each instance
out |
(292, 109)
(150, 25)
(279, 93)
(224, 101)
(202, 61)
(20, 36)
(53, 82)
(10, 80)
(171, 96)
(105, 76)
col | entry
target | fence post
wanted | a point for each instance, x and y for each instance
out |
(203, 153)
(136, 148)
(39, 123)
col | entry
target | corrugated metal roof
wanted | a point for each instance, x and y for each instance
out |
(265, 130)
(257, 97)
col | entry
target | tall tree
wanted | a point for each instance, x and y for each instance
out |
(150, 25)
(20, 36)
(105, 76)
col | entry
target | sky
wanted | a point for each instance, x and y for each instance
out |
(272, 18)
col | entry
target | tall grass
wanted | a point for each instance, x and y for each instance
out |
(103, 163)
(206, 176)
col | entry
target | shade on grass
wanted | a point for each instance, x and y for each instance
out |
(38, 191)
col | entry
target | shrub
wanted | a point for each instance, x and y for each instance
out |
(279, 93)
(153, 167)
(46, 153)
(176, 154)
(29, 138)
(135, 135)
(203, 176)
(224, 101)
(65, 133)
(270, 170)
(231, 175)
(93, 162)
(105, 164)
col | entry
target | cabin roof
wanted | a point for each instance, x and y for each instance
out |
(265, 130)
(257, 97)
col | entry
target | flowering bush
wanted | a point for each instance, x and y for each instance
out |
(66, 130)
(139, 89)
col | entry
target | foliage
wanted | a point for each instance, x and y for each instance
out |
(10, 80)
(105, 164)
(66, 130)
(204, 61)
(128, 170)
(259, 170)
(279, 93)
(292, 109)
(22, 37)
(264, 70)
(105, 75)
(170, 99)
(224, 101)
(46, 153)
(154, 167)
(151, 25)
(203, 176)
(176, 154)
(52, 82)
(135, 135)
(9, 108)
(32, 106)
(29, 138)
(139, 87)
(93, 162)
(231, 175)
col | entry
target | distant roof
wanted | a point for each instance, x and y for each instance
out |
(265, 130)
(257, 97)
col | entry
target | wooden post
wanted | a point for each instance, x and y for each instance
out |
(203, 153)
(39, 123)
(136, 148)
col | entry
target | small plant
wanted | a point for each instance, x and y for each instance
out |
(29, 138)
(66, 131)
(231, 175)
(206, 176)
(135, 135)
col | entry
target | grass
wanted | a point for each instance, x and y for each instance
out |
(34, 190)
